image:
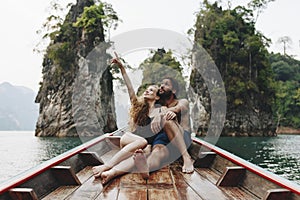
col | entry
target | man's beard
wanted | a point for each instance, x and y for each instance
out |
(166, 95)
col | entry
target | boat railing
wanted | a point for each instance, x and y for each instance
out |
(276, 179)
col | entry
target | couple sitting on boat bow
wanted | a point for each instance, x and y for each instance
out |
(157, 119)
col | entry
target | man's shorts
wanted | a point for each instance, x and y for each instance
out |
(162, 138)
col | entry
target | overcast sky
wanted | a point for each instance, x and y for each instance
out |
(20, 20)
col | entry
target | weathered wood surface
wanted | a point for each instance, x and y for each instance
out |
(167, 183)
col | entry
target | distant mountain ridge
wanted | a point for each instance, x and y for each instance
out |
(17, 108)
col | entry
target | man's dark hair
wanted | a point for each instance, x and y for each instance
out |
(174, 83)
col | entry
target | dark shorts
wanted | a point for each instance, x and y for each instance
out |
(162, 138)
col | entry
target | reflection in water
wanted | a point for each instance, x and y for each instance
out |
(280, 155)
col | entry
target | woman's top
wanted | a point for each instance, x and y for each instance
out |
(145, 131)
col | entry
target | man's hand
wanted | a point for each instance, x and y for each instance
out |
(170, 115)
(156, 124)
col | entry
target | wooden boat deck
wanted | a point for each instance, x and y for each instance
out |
(218, 175)
(167, 183)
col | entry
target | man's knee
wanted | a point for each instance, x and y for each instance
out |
(169, 124)
(160, 151)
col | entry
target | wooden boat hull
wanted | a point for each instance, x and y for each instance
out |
(218, 175)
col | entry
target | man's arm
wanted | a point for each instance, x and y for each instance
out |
(181, 107)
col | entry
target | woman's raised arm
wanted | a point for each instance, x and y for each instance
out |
(131, 92)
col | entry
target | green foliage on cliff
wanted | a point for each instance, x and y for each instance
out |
(286, 106)
(240, 53)
(97, 16)
(160, 65)
(85, 28)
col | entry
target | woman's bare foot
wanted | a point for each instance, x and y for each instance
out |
(188, 165)
(140, 162)
(98, 170)
(108, 175)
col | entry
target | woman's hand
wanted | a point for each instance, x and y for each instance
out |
(156, 124)
(117, 61)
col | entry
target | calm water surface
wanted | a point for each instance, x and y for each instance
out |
(20, 151)
(280, 154)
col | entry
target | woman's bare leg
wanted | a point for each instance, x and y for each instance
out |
(129, 143)
(153, 162)
(123, 167)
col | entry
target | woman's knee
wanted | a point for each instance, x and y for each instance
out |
(123, 140)
(142, 142)
(128, 138)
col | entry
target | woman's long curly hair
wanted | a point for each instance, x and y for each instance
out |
(139, 112)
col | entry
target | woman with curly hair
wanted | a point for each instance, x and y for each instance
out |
(143, 109)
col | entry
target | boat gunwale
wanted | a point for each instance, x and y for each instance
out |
(39, 169)
(274, 178)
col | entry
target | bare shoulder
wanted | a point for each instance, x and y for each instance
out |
(183, 102)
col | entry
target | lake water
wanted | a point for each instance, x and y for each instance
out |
(280, 155)
(20, 151)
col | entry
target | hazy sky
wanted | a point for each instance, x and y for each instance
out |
(20, 20)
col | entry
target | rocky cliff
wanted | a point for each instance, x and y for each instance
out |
(76, 94)
(252, 119)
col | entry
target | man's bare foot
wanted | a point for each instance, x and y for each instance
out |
(140, 162)
(98, 170)
(107, 176)
(188, 165)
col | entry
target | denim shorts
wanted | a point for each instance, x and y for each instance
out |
(162, 138)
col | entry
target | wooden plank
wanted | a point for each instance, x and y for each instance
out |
(234, 192)
(110, 190)
(90, 158)
(160, 178)
(64, 191)
(89, 190)
(278, 194)
(108, 195)
(65, 175)
(85, 174)
(42, 184)
(219, 163)
(250, 183)
(184, 191)
(237, 193)
(205, 159)
(61, 193)
(107, 156)
(209, 174)
(155, 194)
(113, 141)
(204, 188)
(22, 194)
(231, 176)
(133, 193)
(132, 180)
